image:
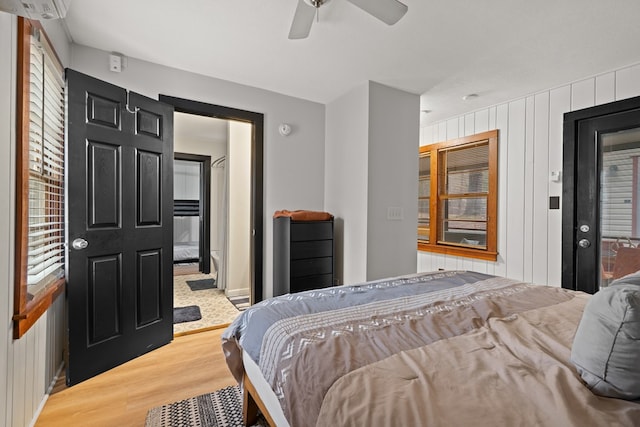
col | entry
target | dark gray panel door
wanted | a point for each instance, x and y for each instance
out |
(120, 229)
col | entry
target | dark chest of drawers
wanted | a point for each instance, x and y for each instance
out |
(303, 255)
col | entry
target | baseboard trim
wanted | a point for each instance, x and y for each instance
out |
(238, 292)
(46, 396)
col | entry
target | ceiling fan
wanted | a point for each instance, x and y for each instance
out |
(388, 11)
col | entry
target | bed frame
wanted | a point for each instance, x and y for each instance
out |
(252, 403)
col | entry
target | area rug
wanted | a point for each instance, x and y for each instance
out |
(190, 313)
(222, 408)
(201, 284)
(241, 303)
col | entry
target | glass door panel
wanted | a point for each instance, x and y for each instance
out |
(619, 204)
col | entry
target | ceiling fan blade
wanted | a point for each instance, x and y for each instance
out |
(388, 11)
(302, 21)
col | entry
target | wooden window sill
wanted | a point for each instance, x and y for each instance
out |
(459, 251)
(34, 309)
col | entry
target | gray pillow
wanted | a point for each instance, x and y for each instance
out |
(606, 348)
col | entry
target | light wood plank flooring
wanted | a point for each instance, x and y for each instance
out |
(189, 366)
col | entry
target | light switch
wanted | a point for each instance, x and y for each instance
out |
(395, 213)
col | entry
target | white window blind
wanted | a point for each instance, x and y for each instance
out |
(46, 165)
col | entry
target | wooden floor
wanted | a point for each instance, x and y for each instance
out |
(189, 366)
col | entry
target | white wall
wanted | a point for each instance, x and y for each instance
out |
(530, 148)
(238, 273)
(371, 165)
(293, 165)
(27, 365)
(393, 171)
(346, 180)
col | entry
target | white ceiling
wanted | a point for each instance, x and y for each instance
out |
(441, 49)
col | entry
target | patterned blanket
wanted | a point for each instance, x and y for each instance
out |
(305, 343)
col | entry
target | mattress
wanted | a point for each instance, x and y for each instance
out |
(187, 251)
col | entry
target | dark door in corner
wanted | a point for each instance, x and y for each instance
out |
(601, 195)
(257, 136)
(119, 233)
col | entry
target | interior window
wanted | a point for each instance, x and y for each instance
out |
(457, 196)
(40, 177)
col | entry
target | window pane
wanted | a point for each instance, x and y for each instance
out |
(45, 256)
(424, 194)
(424, 187)
(466, 169)
(424, 167)
(464, 221)
(423, 219)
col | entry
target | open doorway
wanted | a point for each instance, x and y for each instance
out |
(235, 270)
(192, 213)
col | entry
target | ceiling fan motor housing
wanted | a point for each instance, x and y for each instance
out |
(316, 3)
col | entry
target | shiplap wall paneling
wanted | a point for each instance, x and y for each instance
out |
(627, 82)
(583, 94)
(605, 88)
(530, 148)
(469, 125)
(481, 121)
(7, 119)
(502, 124)
(7, 41)
(560, 103)
(529, 202)
(515, 176)
(540, 238)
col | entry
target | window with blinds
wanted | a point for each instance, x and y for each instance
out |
(458, 180)
(40, 175)
(463, 194)
(46, 166)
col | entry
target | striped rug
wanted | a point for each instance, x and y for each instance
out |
(222, 408)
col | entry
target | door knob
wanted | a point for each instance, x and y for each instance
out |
(79, 243)
(584, 243)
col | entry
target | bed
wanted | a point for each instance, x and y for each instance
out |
(451, 348)
(186, 228)
(186, 252)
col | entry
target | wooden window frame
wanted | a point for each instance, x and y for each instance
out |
(489, 253)
(424, 230)
(27, 308)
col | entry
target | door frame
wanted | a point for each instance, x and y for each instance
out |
(182, 105)
(571, 136)
(204, 225)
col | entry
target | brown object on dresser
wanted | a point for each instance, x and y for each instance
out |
(304, 215)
